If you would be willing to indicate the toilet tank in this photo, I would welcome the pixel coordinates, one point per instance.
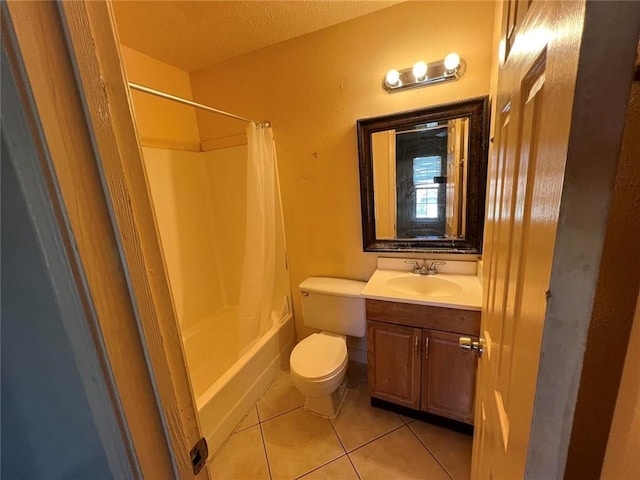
(334, 305)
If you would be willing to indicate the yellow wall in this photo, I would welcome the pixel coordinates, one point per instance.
(161, 122)
(622, 460)
(314, 88)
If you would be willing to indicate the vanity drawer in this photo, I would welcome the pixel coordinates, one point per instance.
(424, 316)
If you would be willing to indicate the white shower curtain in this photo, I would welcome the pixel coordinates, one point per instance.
(258, 270)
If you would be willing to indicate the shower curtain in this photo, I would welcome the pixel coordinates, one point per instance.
(258, 270)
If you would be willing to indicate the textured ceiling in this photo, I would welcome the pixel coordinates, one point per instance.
(195, 34)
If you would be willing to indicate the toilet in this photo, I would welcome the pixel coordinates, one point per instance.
(318, 364)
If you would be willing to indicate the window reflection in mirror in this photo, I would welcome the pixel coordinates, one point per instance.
(420, 179)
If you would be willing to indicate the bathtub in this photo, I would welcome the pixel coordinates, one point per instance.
(225, 386)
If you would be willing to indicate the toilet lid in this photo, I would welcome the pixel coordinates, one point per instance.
(318, 356)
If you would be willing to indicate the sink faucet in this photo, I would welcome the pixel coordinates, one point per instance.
(424, 270)
(432, 268)
(416, 267)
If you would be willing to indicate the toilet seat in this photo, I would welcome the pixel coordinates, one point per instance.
(319, 356)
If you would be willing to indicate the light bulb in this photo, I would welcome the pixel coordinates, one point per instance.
(451, 61)
(420, 71)
(393, 78)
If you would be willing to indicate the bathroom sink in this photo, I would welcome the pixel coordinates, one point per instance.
(430, 286)
(459, 287)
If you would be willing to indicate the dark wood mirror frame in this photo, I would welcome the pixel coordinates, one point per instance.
(477, 110)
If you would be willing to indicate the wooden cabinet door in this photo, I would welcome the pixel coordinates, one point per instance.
(448, 376)
(394, 363)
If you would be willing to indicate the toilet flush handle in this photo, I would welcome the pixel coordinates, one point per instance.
(304, 294)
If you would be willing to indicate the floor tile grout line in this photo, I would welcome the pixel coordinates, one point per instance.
(243, 429)
(364, 380)
(357, 383)
(346, 452)
(405, 421)
(264, 444)
(217, 452)
(227, 440)
(269, 385)
(319, 467)
(435, 457)
(248, 426)
(374, 439)
(266, 455)
(267, 388)
(337, 435)
(353, 465)
(280, 414)
(333, 460)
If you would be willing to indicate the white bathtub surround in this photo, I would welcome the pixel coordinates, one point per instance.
(222, 406)
(219, 217)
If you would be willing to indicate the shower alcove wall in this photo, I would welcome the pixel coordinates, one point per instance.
(200, 206)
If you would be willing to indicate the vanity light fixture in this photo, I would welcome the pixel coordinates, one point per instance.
(393, 78)
(419, 71)
(451, 68)
(451, 62)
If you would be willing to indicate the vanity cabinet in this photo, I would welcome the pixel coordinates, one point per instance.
(393, 356)
(448, 377)
(415, 361)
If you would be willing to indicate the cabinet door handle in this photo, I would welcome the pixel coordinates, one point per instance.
(415, 346)
(426, 347)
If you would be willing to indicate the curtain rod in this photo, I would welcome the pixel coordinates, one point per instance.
(168, 96)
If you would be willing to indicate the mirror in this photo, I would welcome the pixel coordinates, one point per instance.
(423, 178)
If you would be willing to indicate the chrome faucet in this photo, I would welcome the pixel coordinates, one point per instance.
(424, 270)
(432, 268)
(416, 267)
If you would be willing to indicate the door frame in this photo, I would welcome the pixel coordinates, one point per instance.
(68, 57)
(27, 155)
(65, 57)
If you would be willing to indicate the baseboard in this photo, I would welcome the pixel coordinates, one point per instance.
(359, 356)
(424, 416)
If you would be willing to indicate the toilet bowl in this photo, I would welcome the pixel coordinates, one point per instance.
(318, 366)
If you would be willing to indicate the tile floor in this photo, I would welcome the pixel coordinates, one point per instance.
(278, 439)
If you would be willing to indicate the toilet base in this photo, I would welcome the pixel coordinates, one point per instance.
(329, 405)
